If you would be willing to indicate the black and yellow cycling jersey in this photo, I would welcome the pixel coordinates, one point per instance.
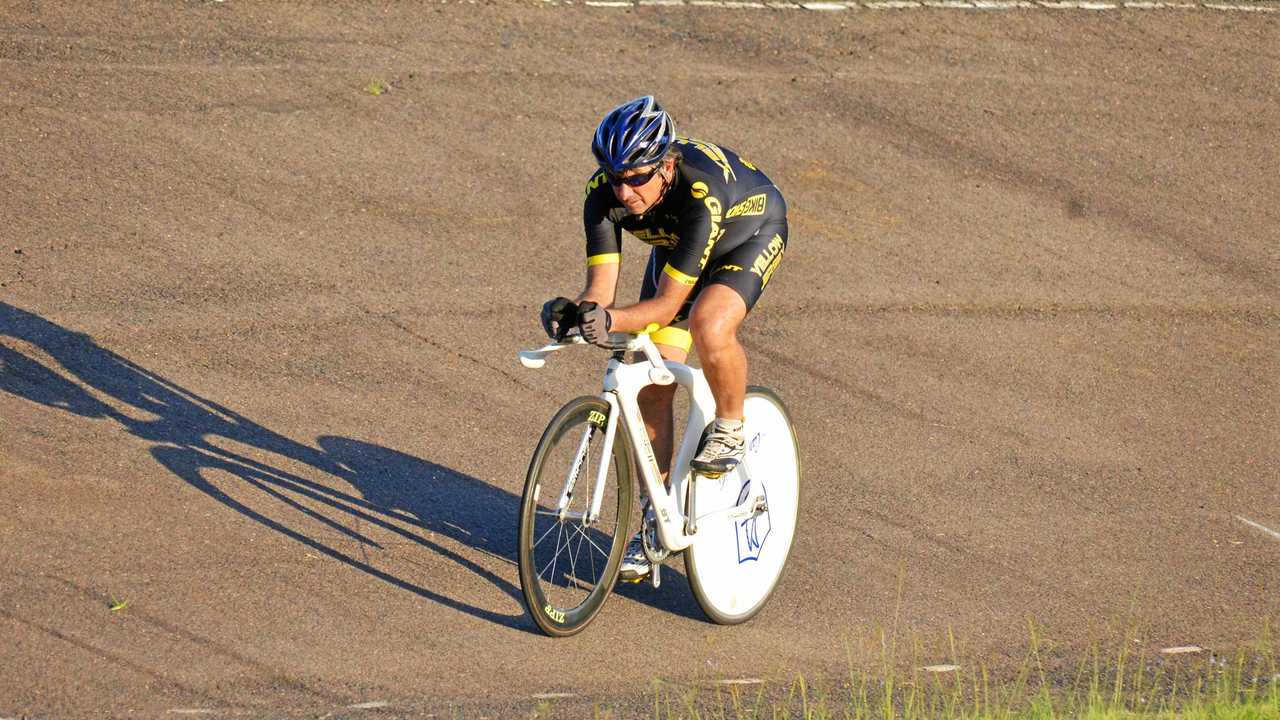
(722, 221)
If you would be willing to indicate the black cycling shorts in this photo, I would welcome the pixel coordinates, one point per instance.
(756, 252)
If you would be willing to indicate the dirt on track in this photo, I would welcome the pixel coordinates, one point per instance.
(258, 325)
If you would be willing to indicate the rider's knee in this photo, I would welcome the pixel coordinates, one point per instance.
(712, 332)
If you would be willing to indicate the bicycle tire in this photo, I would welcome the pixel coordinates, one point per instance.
(550, 595)
(732, 585)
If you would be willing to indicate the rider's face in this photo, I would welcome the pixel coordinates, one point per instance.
(637, 199)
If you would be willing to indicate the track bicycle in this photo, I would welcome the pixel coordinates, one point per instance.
(735, 530)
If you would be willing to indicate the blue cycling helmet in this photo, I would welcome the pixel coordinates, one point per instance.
(632, 135)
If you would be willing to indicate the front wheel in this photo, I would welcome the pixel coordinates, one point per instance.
(569, 563)
(734, 564)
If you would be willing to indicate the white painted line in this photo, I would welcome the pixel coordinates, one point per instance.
(1077, 5)
(371, 705)
(740, 681)
(1244, 8)
(1182, 650)
(1271, 6)
(552, 696)
(1258, 526)
(940, 668)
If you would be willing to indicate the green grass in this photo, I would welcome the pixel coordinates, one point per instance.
(1125, 682)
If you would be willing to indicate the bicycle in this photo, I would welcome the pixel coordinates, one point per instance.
(735, 530)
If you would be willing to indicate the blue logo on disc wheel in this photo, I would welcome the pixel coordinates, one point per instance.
(753, 531)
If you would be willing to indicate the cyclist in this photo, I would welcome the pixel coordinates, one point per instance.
(718, 227)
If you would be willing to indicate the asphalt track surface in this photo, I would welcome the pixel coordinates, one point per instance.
(258, 331)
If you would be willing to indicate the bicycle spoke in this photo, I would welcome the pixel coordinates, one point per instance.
(584, 535)
(538, 542)
(554, 556)
(573, 562)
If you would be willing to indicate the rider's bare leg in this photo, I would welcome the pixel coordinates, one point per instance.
(656, 406)
(717, 314)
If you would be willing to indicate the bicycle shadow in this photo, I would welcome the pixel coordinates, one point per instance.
(397, 493)
(393, 491)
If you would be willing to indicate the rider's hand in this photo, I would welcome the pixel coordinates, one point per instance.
(594, 323)
(559, 316)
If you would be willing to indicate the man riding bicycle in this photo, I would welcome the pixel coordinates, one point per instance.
(718, 228)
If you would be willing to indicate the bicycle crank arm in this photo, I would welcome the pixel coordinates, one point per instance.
(749, 509)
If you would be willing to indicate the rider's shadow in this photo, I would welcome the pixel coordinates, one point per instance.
(404, 497)
(429, 505)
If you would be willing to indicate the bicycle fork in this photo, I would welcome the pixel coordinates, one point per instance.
(596, 498)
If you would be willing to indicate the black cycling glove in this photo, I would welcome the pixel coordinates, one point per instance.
(594, 323)
(559, 316)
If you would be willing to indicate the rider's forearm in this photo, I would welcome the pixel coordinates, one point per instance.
(602, 285)
(634, 318)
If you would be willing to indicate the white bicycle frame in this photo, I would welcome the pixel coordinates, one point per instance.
(676, 522)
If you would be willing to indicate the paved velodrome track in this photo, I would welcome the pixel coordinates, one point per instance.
(258, 331)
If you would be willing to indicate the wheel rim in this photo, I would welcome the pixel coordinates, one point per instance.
(569, 562)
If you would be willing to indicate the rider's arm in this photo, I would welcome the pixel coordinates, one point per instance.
(602, 284)
(660, 308)
(604, 244)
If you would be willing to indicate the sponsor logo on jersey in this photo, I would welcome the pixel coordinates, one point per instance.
(753, 205)
(731, 268)
(716, 154)
(657, 236)
(594, 183)
(767, 261)
(714, 207)
(698, 190)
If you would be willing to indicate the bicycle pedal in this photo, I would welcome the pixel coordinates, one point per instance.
(711, 475)
(632, 581)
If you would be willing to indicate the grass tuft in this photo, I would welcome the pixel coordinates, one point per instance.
(1128, 681)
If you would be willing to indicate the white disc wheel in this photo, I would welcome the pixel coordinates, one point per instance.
(735, 563)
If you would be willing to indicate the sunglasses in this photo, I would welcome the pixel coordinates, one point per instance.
(632, 180)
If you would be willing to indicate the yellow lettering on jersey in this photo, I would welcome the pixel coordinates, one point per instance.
(753, 205)
(767, 261)
(731, 268)
(658, 236)
(714, 206)
(716, 154)
(594, 183)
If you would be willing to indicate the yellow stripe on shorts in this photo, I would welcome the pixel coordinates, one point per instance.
(678, 276)
(605, 259)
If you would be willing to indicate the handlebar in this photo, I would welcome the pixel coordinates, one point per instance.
(632, 342)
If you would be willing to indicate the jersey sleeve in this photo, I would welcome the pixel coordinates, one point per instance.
(700, 229)
(604, 237)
